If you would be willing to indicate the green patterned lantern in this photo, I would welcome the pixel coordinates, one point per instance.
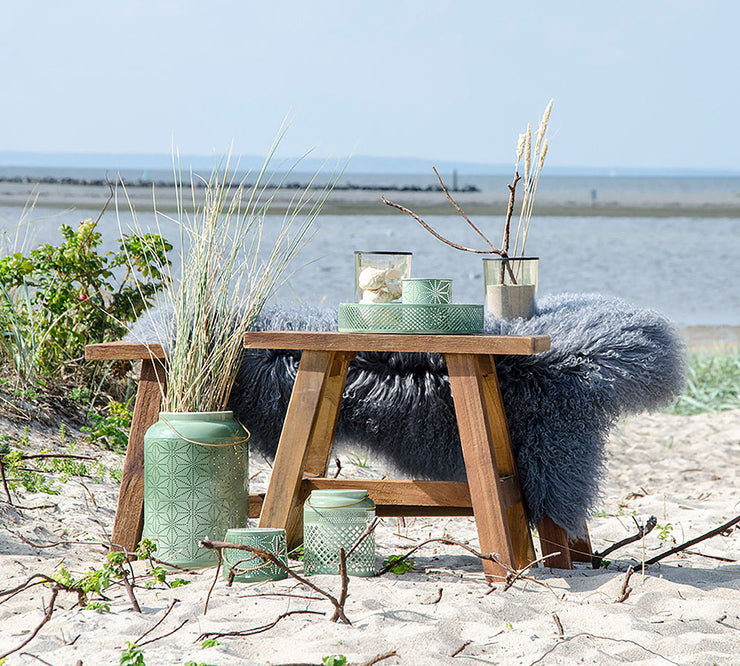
(196, 483)
(249, 568)
(334, 519)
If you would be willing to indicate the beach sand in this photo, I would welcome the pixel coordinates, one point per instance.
(685, 470)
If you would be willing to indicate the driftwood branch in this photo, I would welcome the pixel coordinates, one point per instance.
(273, 559)
(47, 617)
(158, 622)
(693, 542)
(510, 211)
(403, 209)
(459, 210)
(641, 532)
(626, 589)
(256, 630)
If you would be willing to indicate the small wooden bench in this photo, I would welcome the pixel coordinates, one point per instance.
(492, 493)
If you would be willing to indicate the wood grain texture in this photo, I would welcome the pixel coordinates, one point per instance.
(480, 463)
(580, 547)
(322, 436)
(553, 539)
(516, 518)
(298, 433)
(129, 519)
(440, 495)
(123, 351)
(460, 344)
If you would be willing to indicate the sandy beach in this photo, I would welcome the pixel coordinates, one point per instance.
(685, 470)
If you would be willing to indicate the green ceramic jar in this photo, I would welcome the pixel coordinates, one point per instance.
(334, 519)
(196, 484)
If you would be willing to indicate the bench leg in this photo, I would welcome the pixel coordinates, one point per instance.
(479, 453)
(305, 442)
(129, 520)
(580, 547)
(554, 539)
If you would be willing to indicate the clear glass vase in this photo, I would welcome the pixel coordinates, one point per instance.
(510, 286)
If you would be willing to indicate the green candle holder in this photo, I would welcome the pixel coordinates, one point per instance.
(251, 568)
(334, 519)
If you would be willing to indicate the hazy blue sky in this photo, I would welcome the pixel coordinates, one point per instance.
(636, 83)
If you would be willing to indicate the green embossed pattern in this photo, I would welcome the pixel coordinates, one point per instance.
(191, 490)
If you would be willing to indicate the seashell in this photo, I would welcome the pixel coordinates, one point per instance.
(376, 296)
(393, 274)
(394, 289)
(371, 278)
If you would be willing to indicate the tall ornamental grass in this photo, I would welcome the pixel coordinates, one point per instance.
(227, 274)
(712, 383)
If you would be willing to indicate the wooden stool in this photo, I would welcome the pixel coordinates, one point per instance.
(492, 493)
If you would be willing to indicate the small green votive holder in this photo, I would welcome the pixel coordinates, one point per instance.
(334, 519)
(427, 291)
(251, 568)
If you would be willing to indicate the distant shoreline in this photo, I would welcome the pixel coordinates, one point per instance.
(353, 199)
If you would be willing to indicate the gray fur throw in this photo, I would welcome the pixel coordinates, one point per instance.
(608, 359)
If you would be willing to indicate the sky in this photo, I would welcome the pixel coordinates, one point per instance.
(637, 84)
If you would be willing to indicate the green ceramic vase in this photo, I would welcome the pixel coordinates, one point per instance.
(334, 519)
(196, 484)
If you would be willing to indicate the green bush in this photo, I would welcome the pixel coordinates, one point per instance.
(58, 298)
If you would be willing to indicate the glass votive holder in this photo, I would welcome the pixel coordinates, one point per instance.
(510, 286)
(426, 291)
(334, 519)
(378, 276)
(250, 568)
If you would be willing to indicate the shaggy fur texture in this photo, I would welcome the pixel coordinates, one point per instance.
(607, 359)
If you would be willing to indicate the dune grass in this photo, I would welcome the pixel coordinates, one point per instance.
(713, 383)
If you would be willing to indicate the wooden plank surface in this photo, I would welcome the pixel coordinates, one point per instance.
(461, 344)
(129, 519)
(480, 463)
(521, 537)
(580, 547)
(123, 351)
(453, 495)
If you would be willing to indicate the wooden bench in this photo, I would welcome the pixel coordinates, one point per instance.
(492, 493)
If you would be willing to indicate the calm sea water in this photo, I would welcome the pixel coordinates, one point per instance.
(684, 267)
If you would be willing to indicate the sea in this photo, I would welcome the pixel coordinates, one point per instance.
(683, 266)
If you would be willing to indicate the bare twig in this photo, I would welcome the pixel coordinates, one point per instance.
(47, 617)
(463, 215)
(510, 211)
(215, 578)
(559, 625)
(435, 601)
(379, 658)
(626, 589)
(648, 527)
(344, 578)
(256, 630)
(368, 531)
(434, 233)
(158, 622)
(461, 648)
(169, 633)
(5, 482)
(339, 467)
(565, 639)
(220, 545)
(693, 542)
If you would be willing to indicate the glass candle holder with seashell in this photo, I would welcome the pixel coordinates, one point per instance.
(378, 276)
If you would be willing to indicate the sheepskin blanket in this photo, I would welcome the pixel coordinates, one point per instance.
(608, 359)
